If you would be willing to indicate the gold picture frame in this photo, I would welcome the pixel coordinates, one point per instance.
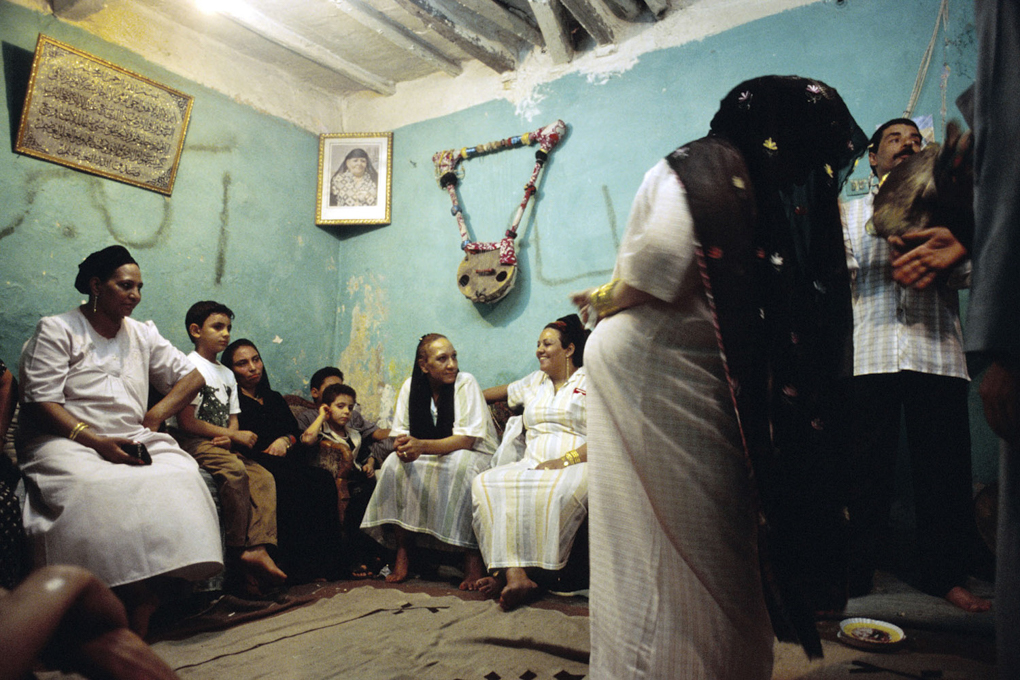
(88, 114)
(355, 178)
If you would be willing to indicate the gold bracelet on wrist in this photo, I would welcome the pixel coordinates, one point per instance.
(571, 457)
(602, 300)
(77, 430)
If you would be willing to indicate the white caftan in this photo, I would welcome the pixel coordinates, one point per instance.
(525, 517)
(432, 495)
(675, 588)
(124, 523)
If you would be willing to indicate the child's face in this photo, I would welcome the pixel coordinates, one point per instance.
(340, 410)
(214, 335)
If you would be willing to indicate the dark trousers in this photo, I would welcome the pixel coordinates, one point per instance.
(308, 524)
(938, 439)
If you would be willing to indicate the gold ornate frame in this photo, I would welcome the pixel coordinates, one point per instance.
(94, 116)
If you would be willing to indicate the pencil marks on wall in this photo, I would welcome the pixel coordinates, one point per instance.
(582, 273)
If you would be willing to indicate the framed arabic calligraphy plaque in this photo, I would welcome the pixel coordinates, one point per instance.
(94, 116)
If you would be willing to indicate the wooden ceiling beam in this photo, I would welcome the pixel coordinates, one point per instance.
(469, 32)
(505, 19)
(597, 19)
(553, 21)
(376, 21)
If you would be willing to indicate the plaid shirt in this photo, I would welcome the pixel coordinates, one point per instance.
(896, 328)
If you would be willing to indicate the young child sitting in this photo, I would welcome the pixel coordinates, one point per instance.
(378, 439)
(343, 450)
(207, 429)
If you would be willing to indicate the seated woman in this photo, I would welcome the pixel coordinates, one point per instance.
(96, 499)
(444, 437)
(527, 513)
(307, 523)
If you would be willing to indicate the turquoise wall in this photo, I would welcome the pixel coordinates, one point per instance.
(238, 228)
(360, 297)
(869, 50)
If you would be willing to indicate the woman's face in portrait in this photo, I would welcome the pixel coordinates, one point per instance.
(552, 357)
(247, 366)
(118, 296)
(357, 166)
(440, 362)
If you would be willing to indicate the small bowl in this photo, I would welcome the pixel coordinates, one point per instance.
(870, 634)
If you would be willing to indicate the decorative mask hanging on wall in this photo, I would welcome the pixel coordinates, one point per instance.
(489, 270)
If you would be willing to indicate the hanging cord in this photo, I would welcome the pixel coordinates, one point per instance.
(941, 19)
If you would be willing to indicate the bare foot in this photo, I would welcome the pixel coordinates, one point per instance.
(968, 601)
(490, 586)
(401, 567)
(257, 562)
(519, 589)
(474, 569)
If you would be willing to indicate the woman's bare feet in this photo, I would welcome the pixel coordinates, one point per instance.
(474, 570)
(491, 586)
(519, 589)
(401, 566)
(968, 601)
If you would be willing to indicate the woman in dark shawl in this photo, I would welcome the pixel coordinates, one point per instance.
(717, 385)
(307, 518)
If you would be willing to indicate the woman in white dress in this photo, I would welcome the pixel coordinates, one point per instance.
(720, 350)
(527, 513)
(106, 491)
(444, 436)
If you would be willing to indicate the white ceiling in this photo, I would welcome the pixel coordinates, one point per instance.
(340, 48)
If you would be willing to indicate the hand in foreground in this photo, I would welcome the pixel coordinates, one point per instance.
(279, 447)
(920, 256)
(245, 438)
(554, 464)
(110, 449)
(1000, 397)
(408, 448)
(582, 300)
(151, 421)
(369, 468)
(222, 441)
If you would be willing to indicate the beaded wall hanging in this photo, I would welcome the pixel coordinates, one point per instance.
(489, 270)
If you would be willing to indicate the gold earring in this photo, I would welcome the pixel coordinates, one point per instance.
(94, 301)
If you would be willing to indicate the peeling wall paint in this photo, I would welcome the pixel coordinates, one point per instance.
(625, 111)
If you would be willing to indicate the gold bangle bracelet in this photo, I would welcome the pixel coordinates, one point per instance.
(77, 430)
(602, 300)
(571, 457)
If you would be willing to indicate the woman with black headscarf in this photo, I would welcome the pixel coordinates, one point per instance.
(717, 384)
(106, 491)
(444, 436)
(527, 512)
(307, 516)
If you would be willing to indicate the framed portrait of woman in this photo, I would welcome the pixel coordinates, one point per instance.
(355, 180)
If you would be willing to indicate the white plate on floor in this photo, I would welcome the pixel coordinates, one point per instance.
(870, 634)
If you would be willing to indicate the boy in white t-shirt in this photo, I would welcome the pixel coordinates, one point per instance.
(207, 429)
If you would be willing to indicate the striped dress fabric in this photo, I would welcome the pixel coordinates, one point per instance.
(525, 517)
(432, 495)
